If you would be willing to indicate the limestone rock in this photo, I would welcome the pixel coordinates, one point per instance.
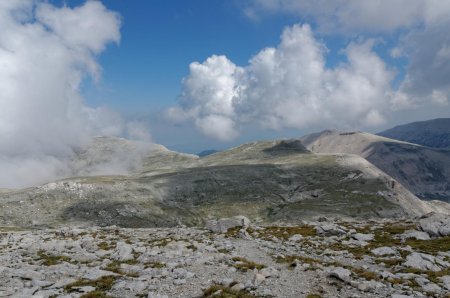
(363, 237)
(340, 273)
(330, 229)
(224, 224)
(422, 261)
(383, 251)
(123, 252)
(415, 235)
(436, 224)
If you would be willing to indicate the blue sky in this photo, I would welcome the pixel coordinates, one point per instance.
(142, 76)
(161, 38)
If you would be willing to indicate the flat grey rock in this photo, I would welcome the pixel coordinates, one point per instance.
(436, 225)
(383, 251)
(422, 261)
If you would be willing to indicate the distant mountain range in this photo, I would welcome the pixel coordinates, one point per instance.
(131, 184)
(265, 181)
(422, 170)
(207, 152)
(432, 133)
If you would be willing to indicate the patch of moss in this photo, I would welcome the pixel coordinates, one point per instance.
(192, 247)
(101, 284)
(368, 275)
(232, 232)
(223, 250)
(160, 242)
(389, 262)
(218, 291)
(433, 276)
(50, 260)
(96, 294)
(107, 246)
(292, 260)
(244, 265)
(156, 265)
(313, 296)
(432, 246)
(284, 233)
(114, 266)
(384, 236)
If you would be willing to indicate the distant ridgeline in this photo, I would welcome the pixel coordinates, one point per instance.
(432, 133)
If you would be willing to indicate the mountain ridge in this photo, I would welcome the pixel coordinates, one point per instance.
(433, 133)
(424, 171)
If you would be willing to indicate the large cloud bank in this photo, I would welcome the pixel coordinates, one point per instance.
(45, 54)
(287, 86)
(356, 16)
(291, 86)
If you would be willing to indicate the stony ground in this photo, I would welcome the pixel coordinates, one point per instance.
(326, 258)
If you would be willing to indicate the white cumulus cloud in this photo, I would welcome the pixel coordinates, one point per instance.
(289, 86)
(421, 24)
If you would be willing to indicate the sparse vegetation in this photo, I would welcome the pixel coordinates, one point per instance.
(50, 260)
(285, 232)
(115, 267)
(102, 285)
(107, 246)
(243, 264)
(313, 296)
(156, 265)
(432, 246)
(218, 291)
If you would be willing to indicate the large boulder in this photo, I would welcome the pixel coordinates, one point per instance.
(340, 273)
(224, 224)
(363, 237)
(330, 229)
(413, 234)
(423, 262)
(435, 224)
(383, 251)
(123, 252)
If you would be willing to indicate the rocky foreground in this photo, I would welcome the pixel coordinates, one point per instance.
(231, 258)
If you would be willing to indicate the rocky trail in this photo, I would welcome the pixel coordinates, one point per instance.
(231, 258)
